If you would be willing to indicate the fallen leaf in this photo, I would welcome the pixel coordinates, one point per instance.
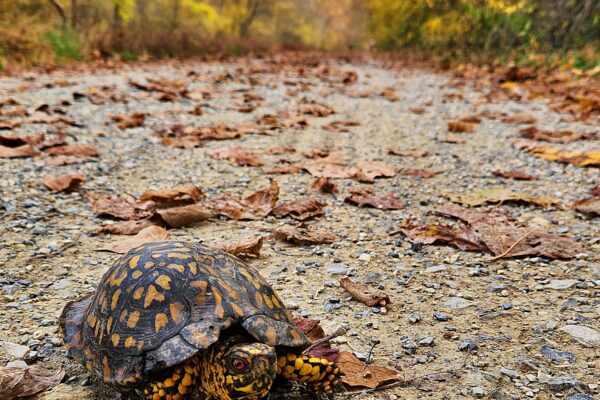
(313, 330)
(557, 136)
(60, 183)
(436, 234)
(316, 110)
(408, 153)
(304, 236)
(120, 206)
(472, 216)
(367, 171)
(283, 169)
(578, 158)
(25, 382)
(146, 235)
(460, 126)
(280, 150)
(390, 94)
(320, 152)
(126, 227)
(133, 120)
(417, 110)
(64, 160)
(365, 295)
(359, 374)
(589, 206)
(299, 209)
(519, 118)
(516, 175)
(257, 206)
(243, 248)
(12, 140)
(177, 217)
(595, 191)
(330, 166)
(235, 155)
(82, 150)
(188, 191)
(324, 185)
(340, 126)
(419, 173)
(451, 138)
(364, 197)
(499, 195)
(14, 152)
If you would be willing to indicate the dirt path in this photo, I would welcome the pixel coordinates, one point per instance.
(443, 299)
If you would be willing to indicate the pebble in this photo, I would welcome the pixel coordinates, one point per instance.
(456, 303)
(562, 383)
(509, 372)
(440, 316)
(372, 277)
(365, 257)
(582, 334)
(478, 392)
(557, 356)
(435, 268)
(14, 350)
(337, 269)
(428, 341)
(467, 345)
(560, 284)
(17, 364)
(414, 318)
(580, 396)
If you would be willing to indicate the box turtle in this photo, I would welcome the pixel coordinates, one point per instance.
(175, 321)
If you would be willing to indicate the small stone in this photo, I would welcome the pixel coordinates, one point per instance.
(509, 372)
(428, 341)
(582, 334)
(580, 396)
(557, 356)
(337, 269)
(456, 303)
(560, 284)
(372, 277)
(467, 345)
(17, 364)
(478, 392)
(365, 257)
(440, 316)
(435, 268)
(14, 350)
(414, 318)
(562, 383)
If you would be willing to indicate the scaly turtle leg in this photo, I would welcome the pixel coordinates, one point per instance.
(319, 374)
(178, 384)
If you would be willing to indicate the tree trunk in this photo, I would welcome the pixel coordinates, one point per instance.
(74, 14)
(175, 16)
(61, 12)
(252, 11)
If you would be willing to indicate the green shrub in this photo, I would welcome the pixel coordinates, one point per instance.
(65, 44)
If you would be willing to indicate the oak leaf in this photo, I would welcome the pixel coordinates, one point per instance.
(25, 382)
(359, 374)
(60, 183)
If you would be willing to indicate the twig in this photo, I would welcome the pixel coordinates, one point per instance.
(504, 253)
(338, 332)
(60, 249)
(375, 343)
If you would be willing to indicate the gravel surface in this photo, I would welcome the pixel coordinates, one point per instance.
(508, 329)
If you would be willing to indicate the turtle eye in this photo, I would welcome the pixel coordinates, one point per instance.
(239, 364)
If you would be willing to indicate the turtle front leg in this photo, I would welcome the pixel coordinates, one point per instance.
(320, 374)
(177, 384)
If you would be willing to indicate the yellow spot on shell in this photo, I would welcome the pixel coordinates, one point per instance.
(152, 295)
(133, 319)
(139, 292)
(114, 338)
(129, 342)
(268, 301)
(177, 267)
(192, 266)
(219, 311)
(179, 256)
(276, 302)
(160, 321)
(116, 279)
(140, 345)
(109, 324)
(149, 265)
(134, 262)
(137, 274)
(177, 312)
(237, 310)
(115, 299)
(163, 281)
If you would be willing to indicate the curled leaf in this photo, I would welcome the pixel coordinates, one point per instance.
(146, 235)
(365, 295)
(60, 183)
(299, 209)
(243, 248)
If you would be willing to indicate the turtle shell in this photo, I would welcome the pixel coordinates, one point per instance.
(161, 303)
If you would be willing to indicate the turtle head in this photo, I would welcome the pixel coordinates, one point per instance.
(247, 371)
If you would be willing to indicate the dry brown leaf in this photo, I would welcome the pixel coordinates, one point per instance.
(188, 191)
(304, 236)
(331, 166)
(499, 195)
(146, 235)
(340, 126)
(299, 209)
(417, 110)
(235, 155)
(519, 118)
(359, 374)
(257, 206)
(64, 160)
(316, 110)
(365, 295)
(283, 169)
(12, 140)
(367, 171)
(595, 191)
(60, 183)
(408, 153)
(460, 126)
(25, 382)
(313, 330)
(516, 175)
(579, 158)
(280, 150)
(420, 173)
(451, 138)
(126, 227)
(324, 185)
(81, 150)
(176, 217)
(364, 197)
(120, 206)
(436, 234)
(14, 152)
(557, 136)
(133, 120)
(243, 248)
(589, 206)
(390, 94)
